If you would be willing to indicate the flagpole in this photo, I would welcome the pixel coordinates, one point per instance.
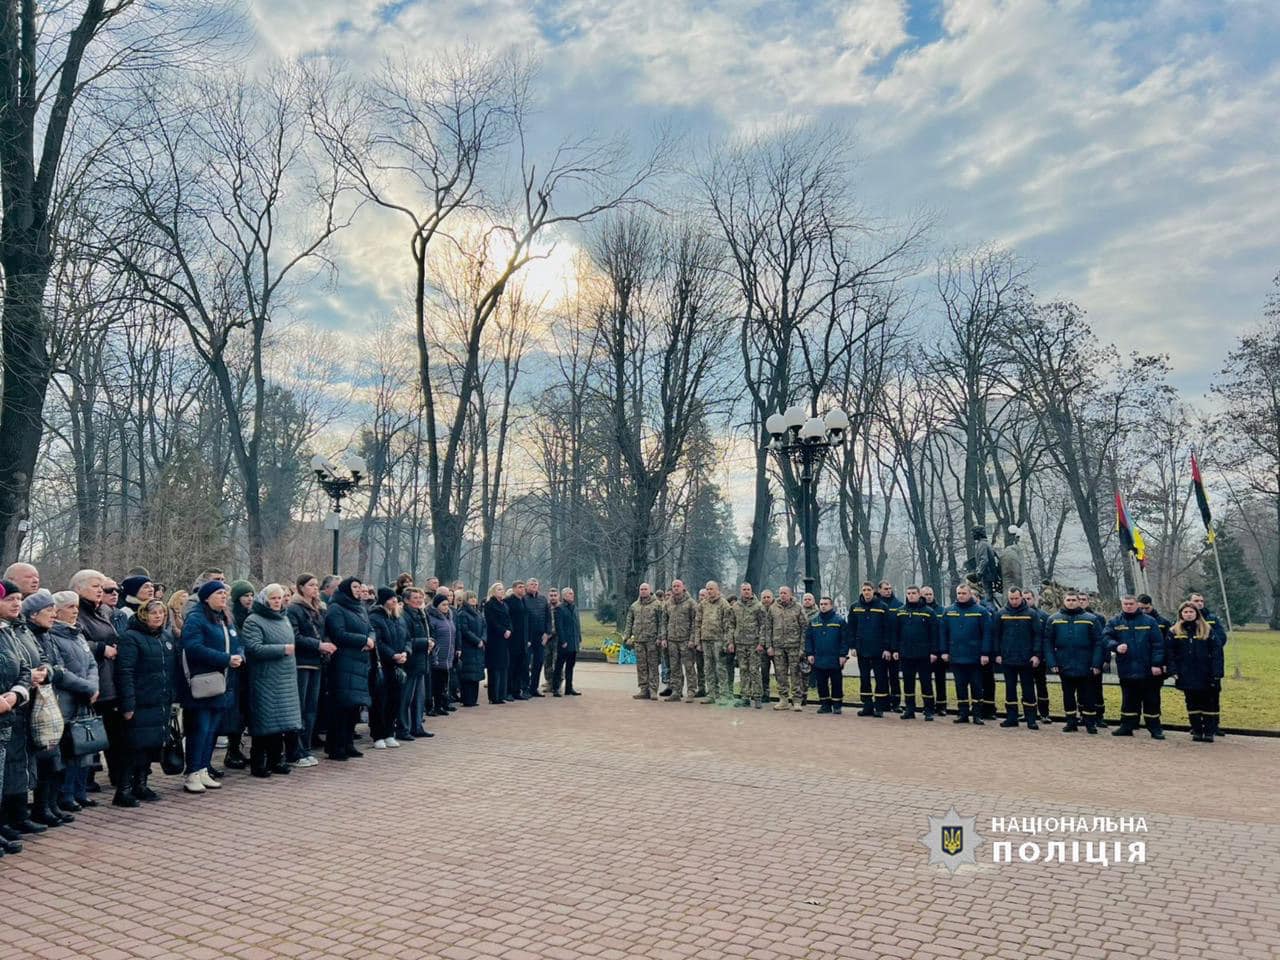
(1226, 610)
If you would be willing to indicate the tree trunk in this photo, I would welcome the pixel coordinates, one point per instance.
(759, 519)
(26, 382)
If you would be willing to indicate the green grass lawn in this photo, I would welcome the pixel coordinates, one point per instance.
(1252, 702)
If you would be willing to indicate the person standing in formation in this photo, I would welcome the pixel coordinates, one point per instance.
(641, 633)
(750, 634)
(716, 631)
(679, 630)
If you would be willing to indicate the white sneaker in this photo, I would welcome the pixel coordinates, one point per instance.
(307, 762)
(221, 743)
(392, 742)
(193, 783)
(380, 744)
(207, 779)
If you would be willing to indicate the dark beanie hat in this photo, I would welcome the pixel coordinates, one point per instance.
(345, 587)
(131, 585)
(385, 594)
(209, 589)
(8, 587)
(438, 599)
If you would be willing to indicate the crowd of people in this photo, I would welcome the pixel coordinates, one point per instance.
(115, 677)
(689, 650)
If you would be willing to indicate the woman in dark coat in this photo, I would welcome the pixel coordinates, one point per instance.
(346, 625)
(144, 672)
(77, 687)
(16, 684)
(443, 630)
(497, 624)
(517, 644)
(471, 633)
(312, 652)
(418, 666)
(19, 644)
(273, 681)
(387, 676)
(236, 718)
(38, 614)
(1196, 661)
(210, 644)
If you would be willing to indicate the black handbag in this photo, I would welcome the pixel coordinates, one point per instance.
(88, 734)
(173, 759)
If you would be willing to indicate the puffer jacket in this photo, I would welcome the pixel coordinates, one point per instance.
(869, 628)
(346, 625)
(95, 622)
(915, 634)
(77, 682)
(419, 631)
(1018, 636)
(273, 674)
(206, 637)
(443, 631)
(471, 631)
(1073, 643)
(144, 681)
(1144, 644)
(966, 633)
(308, 630)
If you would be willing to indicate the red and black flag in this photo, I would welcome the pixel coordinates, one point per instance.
(1130, 535)
(1202, 499)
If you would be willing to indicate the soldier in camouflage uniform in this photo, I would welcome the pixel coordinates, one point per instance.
(750, 631)
(553, 647)
(715, 632)
(766, 601)
(679, 630)
(786, 645)
(664, 663)
(698, 658)
(641, 633)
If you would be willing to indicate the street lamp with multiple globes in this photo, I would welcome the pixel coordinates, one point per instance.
(338, 485)
(804, 441)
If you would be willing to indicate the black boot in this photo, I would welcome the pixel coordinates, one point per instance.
(1124, 730)
(234, 758)
(51, 805)
(141, 790)
(124, 794)
(1071, 726)
(1010, 720)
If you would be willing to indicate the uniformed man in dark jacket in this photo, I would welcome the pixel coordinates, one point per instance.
(894, 667)
(1089, 602)
(1019, 647)
(1041, 673)
(1073, 647)
(915, 648)
(867, 633)
(939, 665)
(1138, 644)
(826, 647)
(965, 632)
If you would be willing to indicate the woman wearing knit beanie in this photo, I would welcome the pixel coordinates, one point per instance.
(236, 717)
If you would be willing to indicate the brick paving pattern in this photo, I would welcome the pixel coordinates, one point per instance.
(604, 827)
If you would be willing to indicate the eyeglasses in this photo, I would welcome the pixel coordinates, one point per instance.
(110, 589)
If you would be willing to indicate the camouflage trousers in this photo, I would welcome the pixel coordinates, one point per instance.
(749, 680)
(551, 653)
(647, 666)
(786, 666)
(684, 670)
(715, 671)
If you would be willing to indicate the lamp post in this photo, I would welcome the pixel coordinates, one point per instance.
(804, 442)
(338, 485)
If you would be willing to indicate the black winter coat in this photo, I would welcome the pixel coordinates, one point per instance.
(95, 623)
(497, 621)
(144, 681)
(519, 614)
(471, 633)
(392, 636)
(1197, 663)
(568, 628)
(308, 631)
(415, 622)
(346, 625)
(869, 629)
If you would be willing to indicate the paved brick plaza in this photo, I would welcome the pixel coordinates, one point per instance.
(604, 827)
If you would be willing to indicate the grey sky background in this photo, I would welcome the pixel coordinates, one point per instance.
(1128, 150)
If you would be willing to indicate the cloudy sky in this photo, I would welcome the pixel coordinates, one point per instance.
(1128, 149)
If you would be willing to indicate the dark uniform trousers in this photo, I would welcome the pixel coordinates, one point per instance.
(1041, 674)
(968, 688)
(1203, 708)
(988, 696)
(894, 672)
(1140, 698)
(913, 668)
(940, 685)
(830, 685)
(1077, 698)
(869, 667)
(1099, 701)
(1013, 677)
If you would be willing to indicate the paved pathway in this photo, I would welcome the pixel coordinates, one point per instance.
(603, 827)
